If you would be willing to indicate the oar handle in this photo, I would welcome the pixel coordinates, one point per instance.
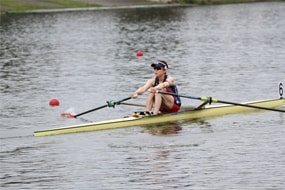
(183, 96)
(112, 104)
(125, 99)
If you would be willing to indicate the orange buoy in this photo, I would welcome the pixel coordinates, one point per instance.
(54, 102)
(139, 53)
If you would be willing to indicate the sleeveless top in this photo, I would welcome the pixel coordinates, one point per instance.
(172, 89)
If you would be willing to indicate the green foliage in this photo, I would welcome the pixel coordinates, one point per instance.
(21, 6)
(17, 6)
(71, 3)
(26, 5)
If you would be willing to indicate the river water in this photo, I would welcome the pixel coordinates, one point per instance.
(231, 52)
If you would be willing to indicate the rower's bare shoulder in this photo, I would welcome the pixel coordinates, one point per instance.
(170, 79)
(151, 81)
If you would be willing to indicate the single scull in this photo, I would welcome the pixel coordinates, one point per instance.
(184, 114)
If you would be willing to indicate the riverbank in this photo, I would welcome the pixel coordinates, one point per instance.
(14, 6)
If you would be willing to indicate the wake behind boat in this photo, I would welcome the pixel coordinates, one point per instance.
(184, 114)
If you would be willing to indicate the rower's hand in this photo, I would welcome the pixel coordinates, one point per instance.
(134, 95)
(153, 90)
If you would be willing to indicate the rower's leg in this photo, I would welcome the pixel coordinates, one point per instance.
(149, 102)
(157, 103)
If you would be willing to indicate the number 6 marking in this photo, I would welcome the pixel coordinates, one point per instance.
(281, 89)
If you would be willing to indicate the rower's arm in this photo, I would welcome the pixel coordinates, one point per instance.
(142, 89)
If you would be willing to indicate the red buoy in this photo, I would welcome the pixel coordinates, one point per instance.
(54, 102)
(139, 53)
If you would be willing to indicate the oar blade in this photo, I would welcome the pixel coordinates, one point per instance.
(109, 104)
(67, 115)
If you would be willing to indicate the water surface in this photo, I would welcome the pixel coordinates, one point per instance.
(231, 52)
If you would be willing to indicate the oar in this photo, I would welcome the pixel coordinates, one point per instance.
(131, 104)
(110, 103)
(210, 100)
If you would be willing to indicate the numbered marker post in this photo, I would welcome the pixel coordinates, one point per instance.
(281, 90)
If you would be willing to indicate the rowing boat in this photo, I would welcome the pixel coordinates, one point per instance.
(184, 114)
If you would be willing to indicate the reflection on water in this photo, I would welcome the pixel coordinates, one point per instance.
(174, 127)
(164, 128)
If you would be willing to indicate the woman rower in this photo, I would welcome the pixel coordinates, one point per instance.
(162, 103)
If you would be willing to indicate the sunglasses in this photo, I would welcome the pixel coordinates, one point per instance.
(157, 68)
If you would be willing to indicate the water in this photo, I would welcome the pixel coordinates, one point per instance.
(231, 52)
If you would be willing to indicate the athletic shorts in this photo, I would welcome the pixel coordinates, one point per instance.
(175, 108)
